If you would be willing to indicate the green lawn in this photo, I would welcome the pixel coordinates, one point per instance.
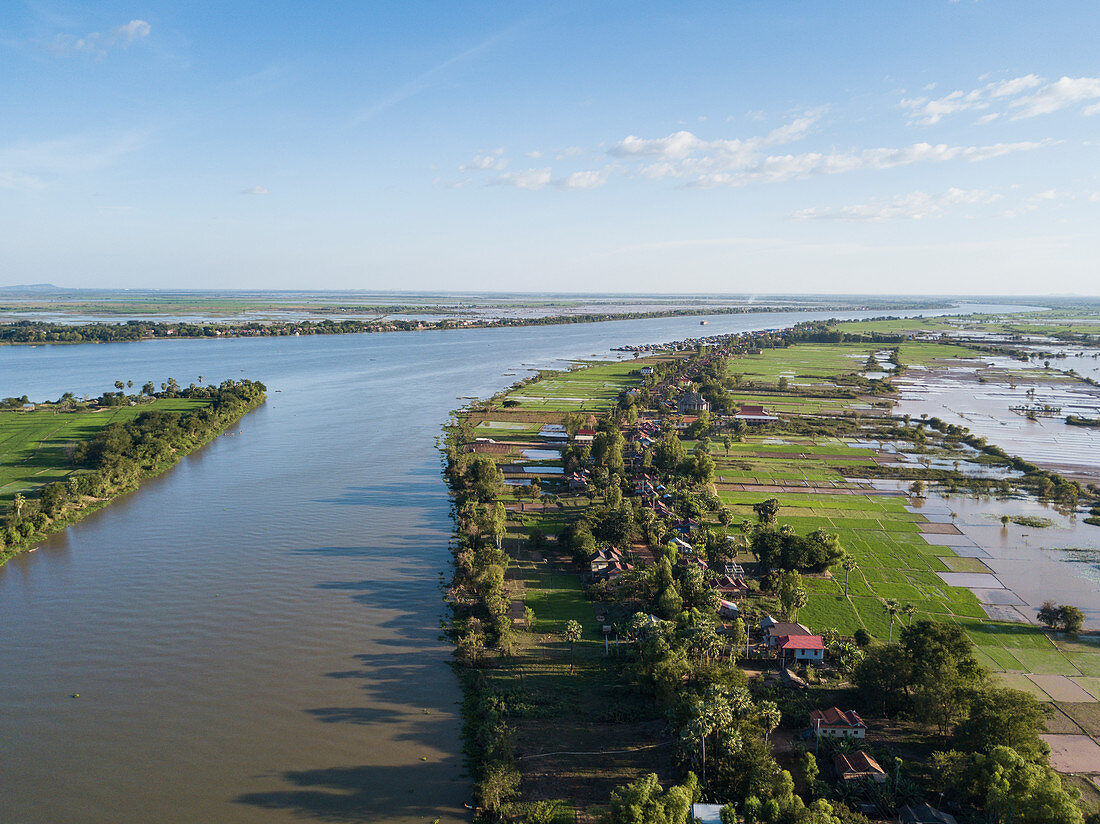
(35, 446)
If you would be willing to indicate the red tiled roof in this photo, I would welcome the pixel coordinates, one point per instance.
(801, 642)
(834, 717)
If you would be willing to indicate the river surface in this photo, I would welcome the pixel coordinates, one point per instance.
(254, 636)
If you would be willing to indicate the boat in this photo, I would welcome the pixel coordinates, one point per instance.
(704, 322)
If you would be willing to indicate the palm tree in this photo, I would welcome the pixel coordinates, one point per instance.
(849, 565)
(770, 716)
(910, 611)
(798, 600)
(18, 502)
(572, 634)
(892, 609)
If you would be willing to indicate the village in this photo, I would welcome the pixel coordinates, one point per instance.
(694, 593)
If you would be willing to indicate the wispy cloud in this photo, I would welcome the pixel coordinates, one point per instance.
(256, 190)
(1018, 98)
(433, 76)
(99, 43)
(34, 165)
(487, 161)
(535, 179)
(912, 206)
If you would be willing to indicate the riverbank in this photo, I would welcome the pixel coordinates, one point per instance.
(594, 519)
(79, 457)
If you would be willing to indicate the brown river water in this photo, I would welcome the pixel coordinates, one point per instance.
(254, 636)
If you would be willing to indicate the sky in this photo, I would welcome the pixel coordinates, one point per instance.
(910, 147)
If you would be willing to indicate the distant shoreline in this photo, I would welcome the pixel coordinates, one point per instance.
(39, 332)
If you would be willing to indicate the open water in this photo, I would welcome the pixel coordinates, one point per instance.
(254, 636)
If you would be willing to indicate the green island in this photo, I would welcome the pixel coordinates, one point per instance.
(62, 460)
(726, 580)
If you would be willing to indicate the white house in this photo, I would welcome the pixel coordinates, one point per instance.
(836, 723)
(807, 648)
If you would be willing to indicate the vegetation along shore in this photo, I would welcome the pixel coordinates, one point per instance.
(726, 580)
(65, 459)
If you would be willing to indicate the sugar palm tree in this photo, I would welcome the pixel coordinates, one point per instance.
(909, 611)
(892, 609)
(798, 600)
(770, 716)
(849, 565)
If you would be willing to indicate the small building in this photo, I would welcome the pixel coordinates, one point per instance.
(602, 558)
(692, 403)
(728, 609)
(577, 481)
(585, 436)
(836, 723)
(28, 407)
(646, 371)
(750, 413)
(683, 546)
(858, 766)
(923, 814)
(808, 648)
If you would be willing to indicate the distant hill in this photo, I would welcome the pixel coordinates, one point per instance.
(33, 288)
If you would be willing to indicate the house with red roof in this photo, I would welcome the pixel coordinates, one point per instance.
(802, 648)
(836, 723)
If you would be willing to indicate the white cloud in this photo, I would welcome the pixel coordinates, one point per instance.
(912, 206)
(530, 179)
(585, 180)
(1058, 95)
(19, 182)
(719, 169)
(99, 43)
(1027, 96)
(256, 190)
(488, 161)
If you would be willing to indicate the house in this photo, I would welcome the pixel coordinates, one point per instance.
(753, 414)
(683, 546)
(613, 570)
(692, 403)
(28, 407)
(728, 609)
(774, 630)
(646, 371)
(808, 648)
(923, 814)
(602, 558)
(858, 766)
(836, 723)
(577, 482)
(585, 436)
(728, 585)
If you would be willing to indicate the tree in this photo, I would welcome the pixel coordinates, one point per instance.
(770, 716)
(892, 609)
(766, 511)
(1070, 619)
(727, 442)
(798, 600)
(119, 385)
(909, 611)
(498, 784)
(571, 635)
(18, 502)
(643, 802)
(1003, 717)
(499, 524)
(1048, 615)
(573, 423)
(849, 565)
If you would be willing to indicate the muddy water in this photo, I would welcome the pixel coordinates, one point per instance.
(254, 635)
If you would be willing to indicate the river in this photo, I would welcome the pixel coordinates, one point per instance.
(254, 636)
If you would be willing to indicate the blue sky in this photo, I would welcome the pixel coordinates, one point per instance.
(575, 146)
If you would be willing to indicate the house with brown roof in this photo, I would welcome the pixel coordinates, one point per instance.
(858, 766)
(774, 630)
(923, 814)
(836, 723)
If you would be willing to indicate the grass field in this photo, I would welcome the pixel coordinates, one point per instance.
(35, 447)
(593, 389)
